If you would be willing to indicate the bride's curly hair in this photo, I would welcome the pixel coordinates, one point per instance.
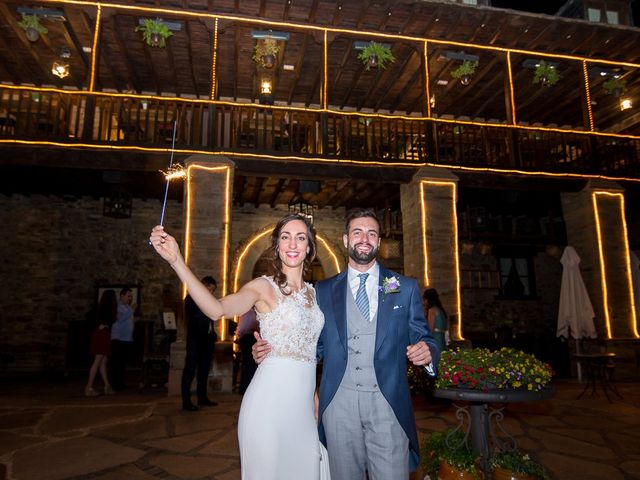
(276, 262)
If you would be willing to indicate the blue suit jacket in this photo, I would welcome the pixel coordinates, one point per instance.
(400, 323)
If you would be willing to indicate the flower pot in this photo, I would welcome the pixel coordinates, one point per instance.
(268, 60)
(155, 39)
(373, 61)
(503, 474)
(32, 34)
(544, 81)
(465, 79)
(448, 472)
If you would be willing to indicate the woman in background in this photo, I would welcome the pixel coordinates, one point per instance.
(101, 342)
(436, 317)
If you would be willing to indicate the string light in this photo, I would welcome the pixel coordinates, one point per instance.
(225, 170)
(587, 92)
(214, 61)
(426, 76)
(454, 226)
(603, 268)
(511, 90)
(94, 48)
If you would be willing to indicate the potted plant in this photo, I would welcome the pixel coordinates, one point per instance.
(265, 52)
(465, 71)
(516, 465)
(483, 369)
(32, 26)
(376, 54)
(545, 74)
(154, 32)
(446, 456)
(614, 86)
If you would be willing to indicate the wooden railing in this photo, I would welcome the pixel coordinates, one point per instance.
(92, 118)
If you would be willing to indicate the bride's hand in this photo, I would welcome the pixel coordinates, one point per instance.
(260, 349)
(164, 244)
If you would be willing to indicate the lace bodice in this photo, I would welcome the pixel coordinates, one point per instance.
(292, 328)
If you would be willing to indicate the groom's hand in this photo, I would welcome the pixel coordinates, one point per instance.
(419, 354)
(260, 349)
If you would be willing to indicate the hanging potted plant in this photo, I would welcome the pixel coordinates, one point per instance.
(445, 456)
(154, 32)
(465, 71)
(376, 55)
(32, 27)
(515, 465)
(614, 86)
(545, 74)
(265, 52)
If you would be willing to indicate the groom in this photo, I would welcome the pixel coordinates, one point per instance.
(374, 321)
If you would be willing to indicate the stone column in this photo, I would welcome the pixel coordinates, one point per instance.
(604, 255)
(206, 248)
(429, 205)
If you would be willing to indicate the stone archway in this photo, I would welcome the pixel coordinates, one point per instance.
(250, 251)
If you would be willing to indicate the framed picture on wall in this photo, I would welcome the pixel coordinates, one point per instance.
(135, 290)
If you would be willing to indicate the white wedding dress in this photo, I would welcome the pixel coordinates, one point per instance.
(277, 430)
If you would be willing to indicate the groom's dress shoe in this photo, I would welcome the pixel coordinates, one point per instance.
(207, 403)
(189, 407)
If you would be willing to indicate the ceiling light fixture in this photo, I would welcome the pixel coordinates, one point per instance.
(60, 67)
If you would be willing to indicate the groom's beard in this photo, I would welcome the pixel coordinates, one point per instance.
(362, 258)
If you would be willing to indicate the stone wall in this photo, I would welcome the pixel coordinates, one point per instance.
(56, 251)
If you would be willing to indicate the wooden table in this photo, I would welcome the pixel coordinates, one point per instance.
(599, 370)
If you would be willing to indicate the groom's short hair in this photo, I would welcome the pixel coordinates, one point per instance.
(359, 213)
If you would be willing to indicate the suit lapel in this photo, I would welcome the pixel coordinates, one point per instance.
(340, 289)
(385, 308)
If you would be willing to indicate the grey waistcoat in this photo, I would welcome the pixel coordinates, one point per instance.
(361, 342)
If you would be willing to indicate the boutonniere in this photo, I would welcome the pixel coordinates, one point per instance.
(390, 285)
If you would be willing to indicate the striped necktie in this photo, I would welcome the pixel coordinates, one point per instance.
(362, 301)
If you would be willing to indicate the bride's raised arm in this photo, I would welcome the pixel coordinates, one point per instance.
(234, 304)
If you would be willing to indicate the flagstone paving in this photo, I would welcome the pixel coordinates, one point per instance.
(52, 432)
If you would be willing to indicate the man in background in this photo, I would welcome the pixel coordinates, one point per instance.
(201, 338)
(121, 339)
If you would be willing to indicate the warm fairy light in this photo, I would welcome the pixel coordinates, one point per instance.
(423, 216)
(587, 92)
(340, 161)
(94, 49)
(511, 90)
(428, 97)
(175, 172)
(316, 110)
(330, 250)
(325, 68)
(214, 61)
(157, 11)
(225, 245)
(245, 250)
(603, 270)
(454, 224)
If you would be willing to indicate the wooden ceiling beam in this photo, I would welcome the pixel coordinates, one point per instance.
(391, 79)
(172, 68)
(137, 85)
(239, 189)
(258, 190)
(187, 30)
(273, 201)
(340, 186)
(43, 73)
(72, 39)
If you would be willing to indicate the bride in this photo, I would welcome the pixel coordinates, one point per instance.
(277, 430)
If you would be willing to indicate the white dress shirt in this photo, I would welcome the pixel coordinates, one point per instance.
(371, 286)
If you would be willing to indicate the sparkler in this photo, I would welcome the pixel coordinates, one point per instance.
(172, 172)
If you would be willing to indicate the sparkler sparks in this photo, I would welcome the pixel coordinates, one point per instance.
(177, 171)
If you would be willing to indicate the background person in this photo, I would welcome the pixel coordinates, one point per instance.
(122, 339)
(201, 339)
(436, 317)
(101, 342)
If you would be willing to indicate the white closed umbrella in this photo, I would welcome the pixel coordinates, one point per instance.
(575, 315)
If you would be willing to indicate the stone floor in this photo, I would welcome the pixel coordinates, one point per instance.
(49, 431)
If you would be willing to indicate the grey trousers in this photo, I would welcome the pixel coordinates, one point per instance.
(364, 436)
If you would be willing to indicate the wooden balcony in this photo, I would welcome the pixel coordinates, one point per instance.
(41, 116)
